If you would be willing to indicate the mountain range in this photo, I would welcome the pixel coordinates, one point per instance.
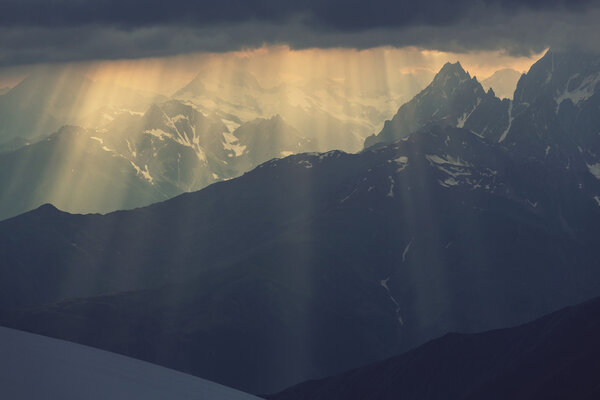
(465, 213)
(154, 147)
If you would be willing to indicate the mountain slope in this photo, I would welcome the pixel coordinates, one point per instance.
(436, 233)
(554, 357)
(74, 170)
(34, 367)
(453, 98)
(138, 159)
(265, 139)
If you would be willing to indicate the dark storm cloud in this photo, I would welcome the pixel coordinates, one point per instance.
(64, 30)
(346, 15)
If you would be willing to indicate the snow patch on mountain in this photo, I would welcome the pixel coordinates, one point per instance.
(350, 195)
(584, 91)
(594, 169)
(144, 173)
(179, 117)
(448, 159)
(232, 143)
(510, 121)
(406, 249)
(453, 171)
(461, 121)
(384, 284)
(391, 192)
(449, 182)
(159, 133)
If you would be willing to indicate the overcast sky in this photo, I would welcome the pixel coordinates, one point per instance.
(34, 31)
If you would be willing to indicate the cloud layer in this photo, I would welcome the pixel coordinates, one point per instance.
(34, 31)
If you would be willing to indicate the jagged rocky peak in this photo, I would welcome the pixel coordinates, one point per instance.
(450, 99)
(195, 87)
(452, 78)
(450, 70)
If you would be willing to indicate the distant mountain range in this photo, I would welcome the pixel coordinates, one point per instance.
(138, 159)
(156, 148)
(73, 169)
(554, 357)
(465, 213)
(333, 114)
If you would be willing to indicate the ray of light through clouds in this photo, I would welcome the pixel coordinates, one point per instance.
(134, 82)
(386, 76)
(349, 61)
(379, 79)
(273, 65)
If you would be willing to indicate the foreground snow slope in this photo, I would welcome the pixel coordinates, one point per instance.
(36, 367)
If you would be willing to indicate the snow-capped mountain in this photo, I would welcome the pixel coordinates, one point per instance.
(553, 107)
(211, 130)
(325, 111)
(139, 158)
(174, 144)
(38, 367)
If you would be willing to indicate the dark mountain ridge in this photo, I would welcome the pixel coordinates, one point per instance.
(453, 98)
(554, 357)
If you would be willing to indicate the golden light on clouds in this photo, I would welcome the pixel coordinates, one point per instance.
(275, 64)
